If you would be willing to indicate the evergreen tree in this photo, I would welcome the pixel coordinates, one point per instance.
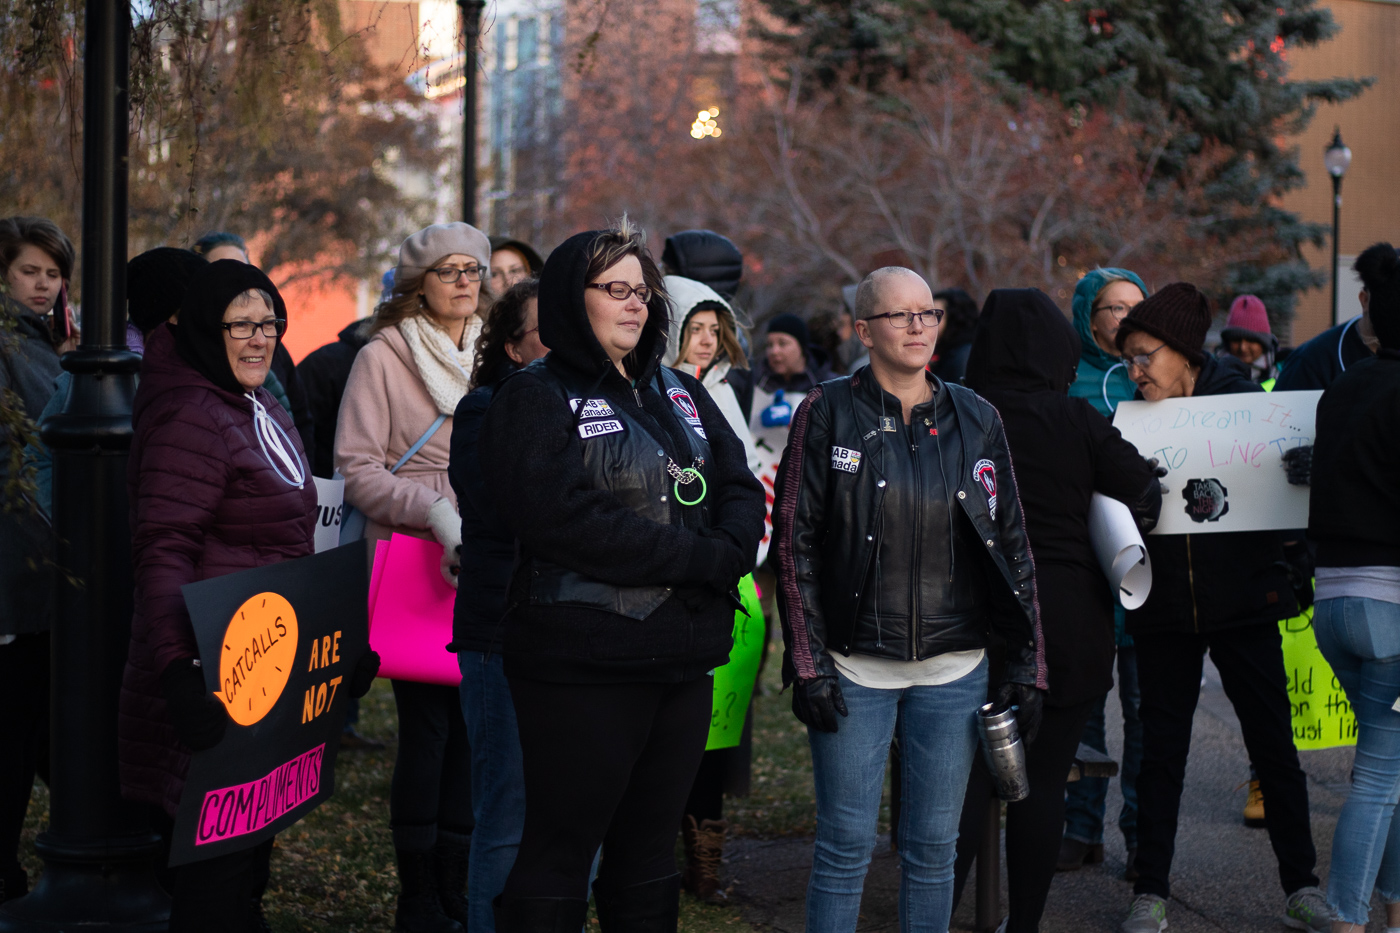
(1195, 73)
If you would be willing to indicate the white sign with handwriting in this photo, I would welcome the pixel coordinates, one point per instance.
(1223, 455)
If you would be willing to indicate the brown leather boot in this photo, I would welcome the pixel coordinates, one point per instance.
(704, 846)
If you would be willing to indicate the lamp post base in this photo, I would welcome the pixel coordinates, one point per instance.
(104, 886)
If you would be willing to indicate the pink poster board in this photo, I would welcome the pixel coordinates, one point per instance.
(410, 613)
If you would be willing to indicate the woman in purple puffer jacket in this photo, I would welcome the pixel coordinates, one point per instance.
(219, 483)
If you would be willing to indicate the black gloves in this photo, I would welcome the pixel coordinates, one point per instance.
(1298, 462)
(198, 717)
(1298, 564)
(816, 702)
(1029, 702)
(365, 670)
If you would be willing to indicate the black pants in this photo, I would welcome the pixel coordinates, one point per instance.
(24, 742)
(1250, 661)
(609, 765)
(1035, 825)
(431, 794)
(217, 894)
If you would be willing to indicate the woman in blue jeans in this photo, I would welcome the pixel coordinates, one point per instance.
(901, 554)
(509, 339)
(1354, 519)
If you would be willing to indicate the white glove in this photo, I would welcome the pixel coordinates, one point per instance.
(446, 526)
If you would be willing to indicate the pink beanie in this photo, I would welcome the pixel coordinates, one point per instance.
(1247, 317)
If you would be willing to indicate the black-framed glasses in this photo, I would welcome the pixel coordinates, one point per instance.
(448, 275)
(1141, 361)
(903, 319)
(244, 330)
(622, 291)
(1119, 311)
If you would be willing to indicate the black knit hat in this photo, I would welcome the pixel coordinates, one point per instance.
(1179, 315)
(156, 282)
(793, 326)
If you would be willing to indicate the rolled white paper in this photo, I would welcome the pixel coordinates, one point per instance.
(1118, 545)
(330, 497)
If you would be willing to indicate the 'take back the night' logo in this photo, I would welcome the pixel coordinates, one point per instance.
(1205, 499)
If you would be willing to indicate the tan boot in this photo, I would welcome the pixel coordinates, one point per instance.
(704, 847)
(1254, 806)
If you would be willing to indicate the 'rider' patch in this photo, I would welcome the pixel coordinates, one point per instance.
(985, 473)
(845, 459)
(596, 428)
(593, 408)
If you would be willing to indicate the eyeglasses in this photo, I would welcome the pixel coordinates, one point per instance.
(244, 330)
(515, 273)
(1118, 311)
(903, 319)
(1141, 361)
(622, 291)
(449, 275)
(525, 333)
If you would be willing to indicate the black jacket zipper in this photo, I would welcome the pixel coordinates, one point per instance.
(918, 541)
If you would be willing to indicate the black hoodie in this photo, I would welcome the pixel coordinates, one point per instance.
(1024, 356)
(323, 375)
(531, 456)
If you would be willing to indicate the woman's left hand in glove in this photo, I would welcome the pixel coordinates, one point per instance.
(366, 669)
(1029, 702)
(446, 526)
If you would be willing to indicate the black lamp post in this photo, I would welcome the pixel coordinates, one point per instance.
(1337, 158)
(98, 850)
(471, 30)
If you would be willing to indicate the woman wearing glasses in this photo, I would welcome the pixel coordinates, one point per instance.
(402, 392)
(1222, 593)
(219, 482)
(901, 554)
(636, 515)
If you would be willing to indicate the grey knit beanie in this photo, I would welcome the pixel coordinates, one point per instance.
(431, 244)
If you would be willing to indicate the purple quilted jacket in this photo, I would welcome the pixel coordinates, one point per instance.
(205, 502)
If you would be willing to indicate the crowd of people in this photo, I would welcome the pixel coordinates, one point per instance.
(603, 449)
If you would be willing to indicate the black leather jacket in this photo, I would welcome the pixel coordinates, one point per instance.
(864, 512)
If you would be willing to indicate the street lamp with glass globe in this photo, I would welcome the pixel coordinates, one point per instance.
(1337, 158)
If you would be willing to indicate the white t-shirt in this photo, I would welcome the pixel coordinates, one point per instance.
(885, 674)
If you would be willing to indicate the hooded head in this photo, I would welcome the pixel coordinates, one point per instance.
(707, 257)
(1379, 269)
(689, 297)
(199, 337)
(1083, 307)
(564, 324)
(156, 283)
(1023, 344)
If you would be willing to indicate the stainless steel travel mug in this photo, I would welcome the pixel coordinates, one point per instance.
(1005, 755)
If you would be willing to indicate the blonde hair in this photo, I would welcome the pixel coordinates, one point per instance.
(407, 301)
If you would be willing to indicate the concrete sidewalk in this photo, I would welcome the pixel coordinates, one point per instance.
(1224, 879)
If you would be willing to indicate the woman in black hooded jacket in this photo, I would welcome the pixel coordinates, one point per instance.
(1023, 360)
(636, 515)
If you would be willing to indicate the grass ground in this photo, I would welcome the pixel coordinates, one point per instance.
(334, 870)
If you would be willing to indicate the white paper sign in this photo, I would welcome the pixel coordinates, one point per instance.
(330, 497)
(1118, 545)
(1223, 454)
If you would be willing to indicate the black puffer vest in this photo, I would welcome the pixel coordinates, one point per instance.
(623, 458)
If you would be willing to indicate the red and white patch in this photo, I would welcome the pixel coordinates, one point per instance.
(985, 473)
(684, 404)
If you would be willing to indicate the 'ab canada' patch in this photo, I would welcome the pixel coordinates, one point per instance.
(845, 459)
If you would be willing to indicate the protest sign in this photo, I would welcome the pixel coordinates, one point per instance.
(1223, 455)
(1118, 545)
(278, 646)
(330, 502)
(411, 619)
(734, 682)
(1322, 714)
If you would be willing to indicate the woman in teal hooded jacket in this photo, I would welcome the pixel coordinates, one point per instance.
(1102, 378)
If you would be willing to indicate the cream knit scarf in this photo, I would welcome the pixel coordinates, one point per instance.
(445, 370)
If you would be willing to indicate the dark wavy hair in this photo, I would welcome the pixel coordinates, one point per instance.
(503, 324)
(961, 320)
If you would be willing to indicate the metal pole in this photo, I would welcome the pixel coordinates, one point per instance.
(1336, 243)
(98, 850)
(471, 30)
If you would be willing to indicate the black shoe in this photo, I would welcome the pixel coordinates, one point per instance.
(419, 910)
(1075, 854)
(650, 907)
(354, 741)
(451, 859)
(539, 914)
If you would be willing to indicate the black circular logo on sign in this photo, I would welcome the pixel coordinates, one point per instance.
(1205, 499)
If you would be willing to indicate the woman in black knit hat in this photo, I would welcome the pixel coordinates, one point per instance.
(1219, 592)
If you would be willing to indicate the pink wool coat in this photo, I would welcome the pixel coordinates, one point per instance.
(386, 408)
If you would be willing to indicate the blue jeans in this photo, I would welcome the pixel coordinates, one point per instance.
(937, 739)
(1360, 638)
(1087, 798)
(498, 783)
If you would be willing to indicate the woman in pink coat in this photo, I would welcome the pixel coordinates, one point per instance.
(403, 389)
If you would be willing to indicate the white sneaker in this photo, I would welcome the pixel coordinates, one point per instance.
(1148, 914)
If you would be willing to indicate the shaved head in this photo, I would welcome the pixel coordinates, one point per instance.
(871, 288)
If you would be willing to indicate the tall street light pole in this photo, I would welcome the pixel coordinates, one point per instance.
(1337, 158)
(471, 30)
(98, 850)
